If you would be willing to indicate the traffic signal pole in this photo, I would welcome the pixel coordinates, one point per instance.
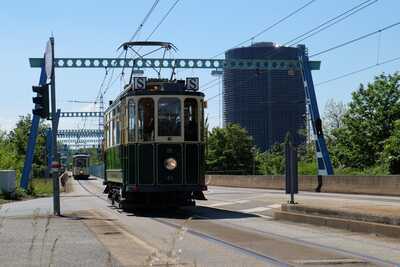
(54, 124)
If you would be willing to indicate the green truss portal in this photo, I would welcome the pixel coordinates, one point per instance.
(182, 63)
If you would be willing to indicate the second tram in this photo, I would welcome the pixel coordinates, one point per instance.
(80, 166)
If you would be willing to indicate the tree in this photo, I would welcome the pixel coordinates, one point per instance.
(333, 115)
(230, 150)
(18, 141)
(271, 162)
(368, 122)
(391, 151)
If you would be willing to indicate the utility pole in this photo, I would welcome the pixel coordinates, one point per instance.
(54, 124)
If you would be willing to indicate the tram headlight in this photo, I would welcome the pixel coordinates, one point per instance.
(170, 164)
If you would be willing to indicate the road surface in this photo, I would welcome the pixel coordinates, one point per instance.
(234, 227)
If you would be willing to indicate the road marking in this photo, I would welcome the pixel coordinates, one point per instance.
(329, 261)
(258, 209)
(275, 206)
(264, 216)
(221, 204)
(228, 203)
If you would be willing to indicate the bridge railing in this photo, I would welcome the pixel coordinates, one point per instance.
(97, 170)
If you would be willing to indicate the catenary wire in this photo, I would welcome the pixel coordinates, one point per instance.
(269, 27)
(359, 70)
(329, 23)
(355, 39)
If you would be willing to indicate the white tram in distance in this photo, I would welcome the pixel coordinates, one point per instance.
(80, 166)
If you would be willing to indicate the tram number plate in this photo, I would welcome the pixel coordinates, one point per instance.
(139, 83)
(192, 83)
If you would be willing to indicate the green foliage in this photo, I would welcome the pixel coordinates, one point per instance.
(13, 147)
(230, 150)
(368, 122)
(40, 187)
(390, 156)
(271, 162)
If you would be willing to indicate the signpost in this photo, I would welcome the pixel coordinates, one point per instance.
(291, 176)
(49, 67)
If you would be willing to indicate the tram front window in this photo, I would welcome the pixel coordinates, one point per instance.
(146, 119)
(131, 121)
(81, 163)
(191, 121)
(169, 117)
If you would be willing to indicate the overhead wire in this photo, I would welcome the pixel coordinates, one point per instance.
(269, 27)
(139, 28)
(330, 22)
(358, 71)
(345, 43)
(323, 26)
(162, 20)
(212, 85)
(355, 39)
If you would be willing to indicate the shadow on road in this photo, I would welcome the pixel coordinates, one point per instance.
(196, 213)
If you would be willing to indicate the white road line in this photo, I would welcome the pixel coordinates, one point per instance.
(258, 209)
(264, 216)
(228, 203)
(221, 204)
(275, 206)
(242, 201)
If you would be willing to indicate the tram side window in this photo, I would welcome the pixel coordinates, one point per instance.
(131, 121)
(117, 133)
(146, 119)
(113, 132)
(169, 117)
(191, 120)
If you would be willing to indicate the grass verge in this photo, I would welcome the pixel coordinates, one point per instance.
(2, 200)
(41, 188)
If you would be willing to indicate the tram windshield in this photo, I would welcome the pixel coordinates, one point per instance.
(191, 120)
(169, 117)
(146, 119)
(81, 162)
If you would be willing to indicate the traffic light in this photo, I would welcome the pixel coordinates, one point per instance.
(41, 101)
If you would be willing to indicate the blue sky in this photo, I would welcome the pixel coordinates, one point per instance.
(200, 29)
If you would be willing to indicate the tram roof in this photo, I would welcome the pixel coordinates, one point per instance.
(81, 155)
(150, 92)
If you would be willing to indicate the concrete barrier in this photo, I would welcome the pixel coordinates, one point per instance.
(375, 185)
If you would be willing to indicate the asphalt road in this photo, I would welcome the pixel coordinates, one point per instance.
(233, 227)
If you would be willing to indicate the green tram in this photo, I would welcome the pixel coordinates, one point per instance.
(154, 145)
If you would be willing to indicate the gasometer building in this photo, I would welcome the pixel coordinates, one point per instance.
(268, 102)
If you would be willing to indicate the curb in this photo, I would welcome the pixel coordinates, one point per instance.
(343, 214)
(346, 224)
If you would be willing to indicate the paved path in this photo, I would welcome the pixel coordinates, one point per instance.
(233, 228)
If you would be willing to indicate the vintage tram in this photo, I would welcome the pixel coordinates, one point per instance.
(154, 144)
(80, 166)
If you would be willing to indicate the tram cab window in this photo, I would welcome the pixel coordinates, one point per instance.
(131, 121)
(191, 120)
(146, 119)
(81, 163)
(169, 117)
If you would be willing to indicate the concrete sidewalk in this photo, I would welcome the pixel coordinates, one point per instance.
(357, 216)
(44, 240)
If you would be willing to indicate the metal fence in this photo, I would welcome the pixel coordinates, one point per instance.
(97, 170)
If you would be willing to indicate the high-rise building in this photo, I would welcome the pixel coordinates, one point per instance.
(268, 103)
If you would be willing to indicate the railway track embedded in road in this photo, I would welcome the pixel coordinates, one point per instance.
(249, 252)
